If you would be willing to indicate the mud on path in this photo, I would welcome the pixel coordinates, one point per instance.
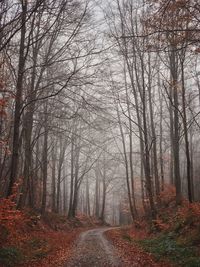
(94, 250)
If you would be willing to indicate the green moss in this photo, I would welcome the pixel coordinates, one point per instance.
(127, 237)
(192, 262)
(10, 256)
(38, 248)
(40, 254)
(4, 233)
(166, 246)
(37, 243)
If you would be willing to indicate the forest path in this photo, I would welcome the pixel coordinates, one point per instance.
(94, 250)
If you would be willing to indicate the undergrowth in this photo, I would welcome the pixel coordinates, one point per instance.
(10, 256)
(28, 238)
(166, 246)
(174, 235)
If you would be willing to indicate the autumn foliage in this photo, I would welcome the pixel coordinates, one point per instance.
(12, 220)
(29, 239)
(132, 254)
(170, 216)
(172, 239)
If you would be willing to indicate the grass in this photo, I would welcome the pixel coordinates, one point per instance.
(127, 237)
(166, 246)
(10, 256)
(37, 248)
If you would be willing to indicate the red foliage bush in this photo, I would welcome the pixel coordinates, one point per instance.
(170, 216)
(168, 196)
(11, 219)
(189, 214)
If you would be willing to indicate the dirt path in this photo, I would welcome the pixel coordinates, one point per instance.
(94, 250)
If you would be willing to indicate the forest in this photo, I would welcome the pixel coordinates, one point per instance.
(99, 133)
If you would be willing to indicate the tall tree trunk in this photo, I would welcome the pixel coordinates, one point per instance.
(102, 215)
(59, 184)
(130, 145)
(72, 180)
(171, 165)
(63, 145)
(65, 190)
(147, 168)
(76, 182)
(154, 137)
(96, 194)
(45, 161)
(126, 165)
(161, 138)
(54, 179)
(187, 145)
(18, 101)
(176, 146)
(28, 127)
(192, 163)
(87, 198)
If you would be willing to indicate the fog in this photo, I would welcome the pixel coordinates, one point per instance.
(99, 107)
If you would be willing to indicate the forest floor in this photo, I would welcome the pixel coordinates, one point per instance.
(81, 242)
(109, 247)
(130, 251)
(28, 239)
(171, 239)
(41, 241)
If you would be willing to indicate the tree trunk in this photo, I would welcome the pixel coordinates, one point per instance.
(174, 76)
(87, 198)
(72, 180)
(18, 101)
(154, 137)
(97, 195)
(45, 162)
(161, 138)
(54, 179)
(187, 145)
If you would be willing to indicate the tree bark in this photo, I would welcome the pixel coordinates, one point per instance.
(176, 146)
(45, 162)
(18, 101)
(187, 145)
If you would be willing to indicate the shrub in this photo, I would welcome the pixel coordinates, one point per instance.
(37, 248)
(11, 219)
(10, 256)
(166, 246)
